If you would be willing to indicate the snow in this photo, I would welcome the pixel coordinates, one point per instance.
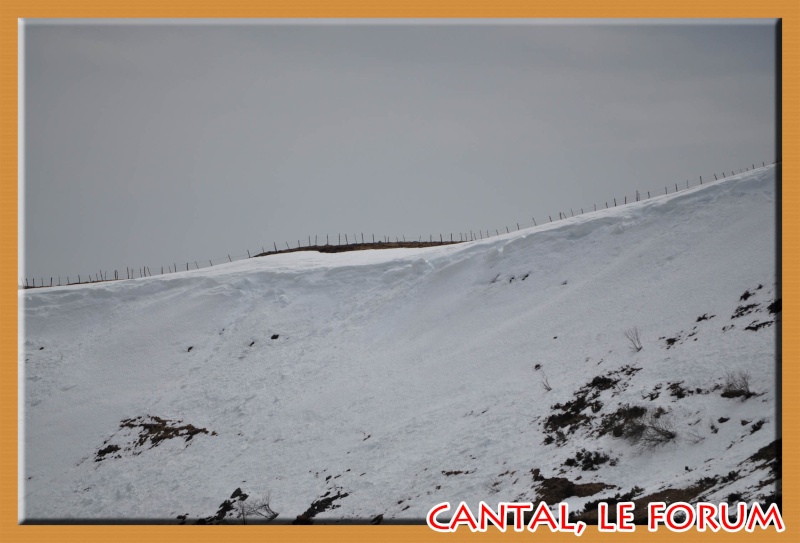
(393, 367)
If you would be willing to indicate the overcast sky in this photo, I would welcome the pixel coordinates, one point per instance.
(152, 144)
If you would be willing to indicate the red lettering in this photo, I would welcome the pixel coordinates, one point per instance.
(624, 517)
(543, 516)
(741, 509)
(675, 508)
(705, 515)
(518, 509)
(654, 514)
(757, 516)
(432, 523)
(602, 518)
(486, 513)
(463, 516)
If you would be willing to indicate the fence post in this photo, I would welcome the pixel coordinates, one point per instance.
(287, 246)
(701, 179)
(507, 230)
(615, 202)
(274, 245)
(195, 264)
(551, 218)
(676, 187)
(534, 221)
(248, 255)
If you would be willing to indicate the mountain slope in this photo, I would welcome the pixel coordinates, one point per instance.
(372, 383)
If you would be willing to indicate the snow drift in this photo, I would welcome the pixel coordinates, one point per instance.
(369, 386)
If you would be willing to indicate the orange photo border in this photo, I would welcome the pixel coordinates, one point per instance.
(13, 10)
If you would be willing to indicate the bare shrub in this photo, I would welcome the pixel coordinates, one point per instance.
(546, 384)
(259, 510)
(633, 337)
(737, 384)
(657, 430)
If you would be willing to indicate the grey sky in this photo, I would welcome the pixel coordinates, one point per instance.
(152, 144)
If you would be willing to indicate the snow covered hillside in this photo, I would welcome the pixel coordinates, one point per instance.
(372, 385)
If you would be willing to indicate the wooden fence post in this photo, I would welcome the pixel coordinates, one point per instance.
(275, 246)
(507, 230)
(615, 202)
(248, 254)
(534, 221)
